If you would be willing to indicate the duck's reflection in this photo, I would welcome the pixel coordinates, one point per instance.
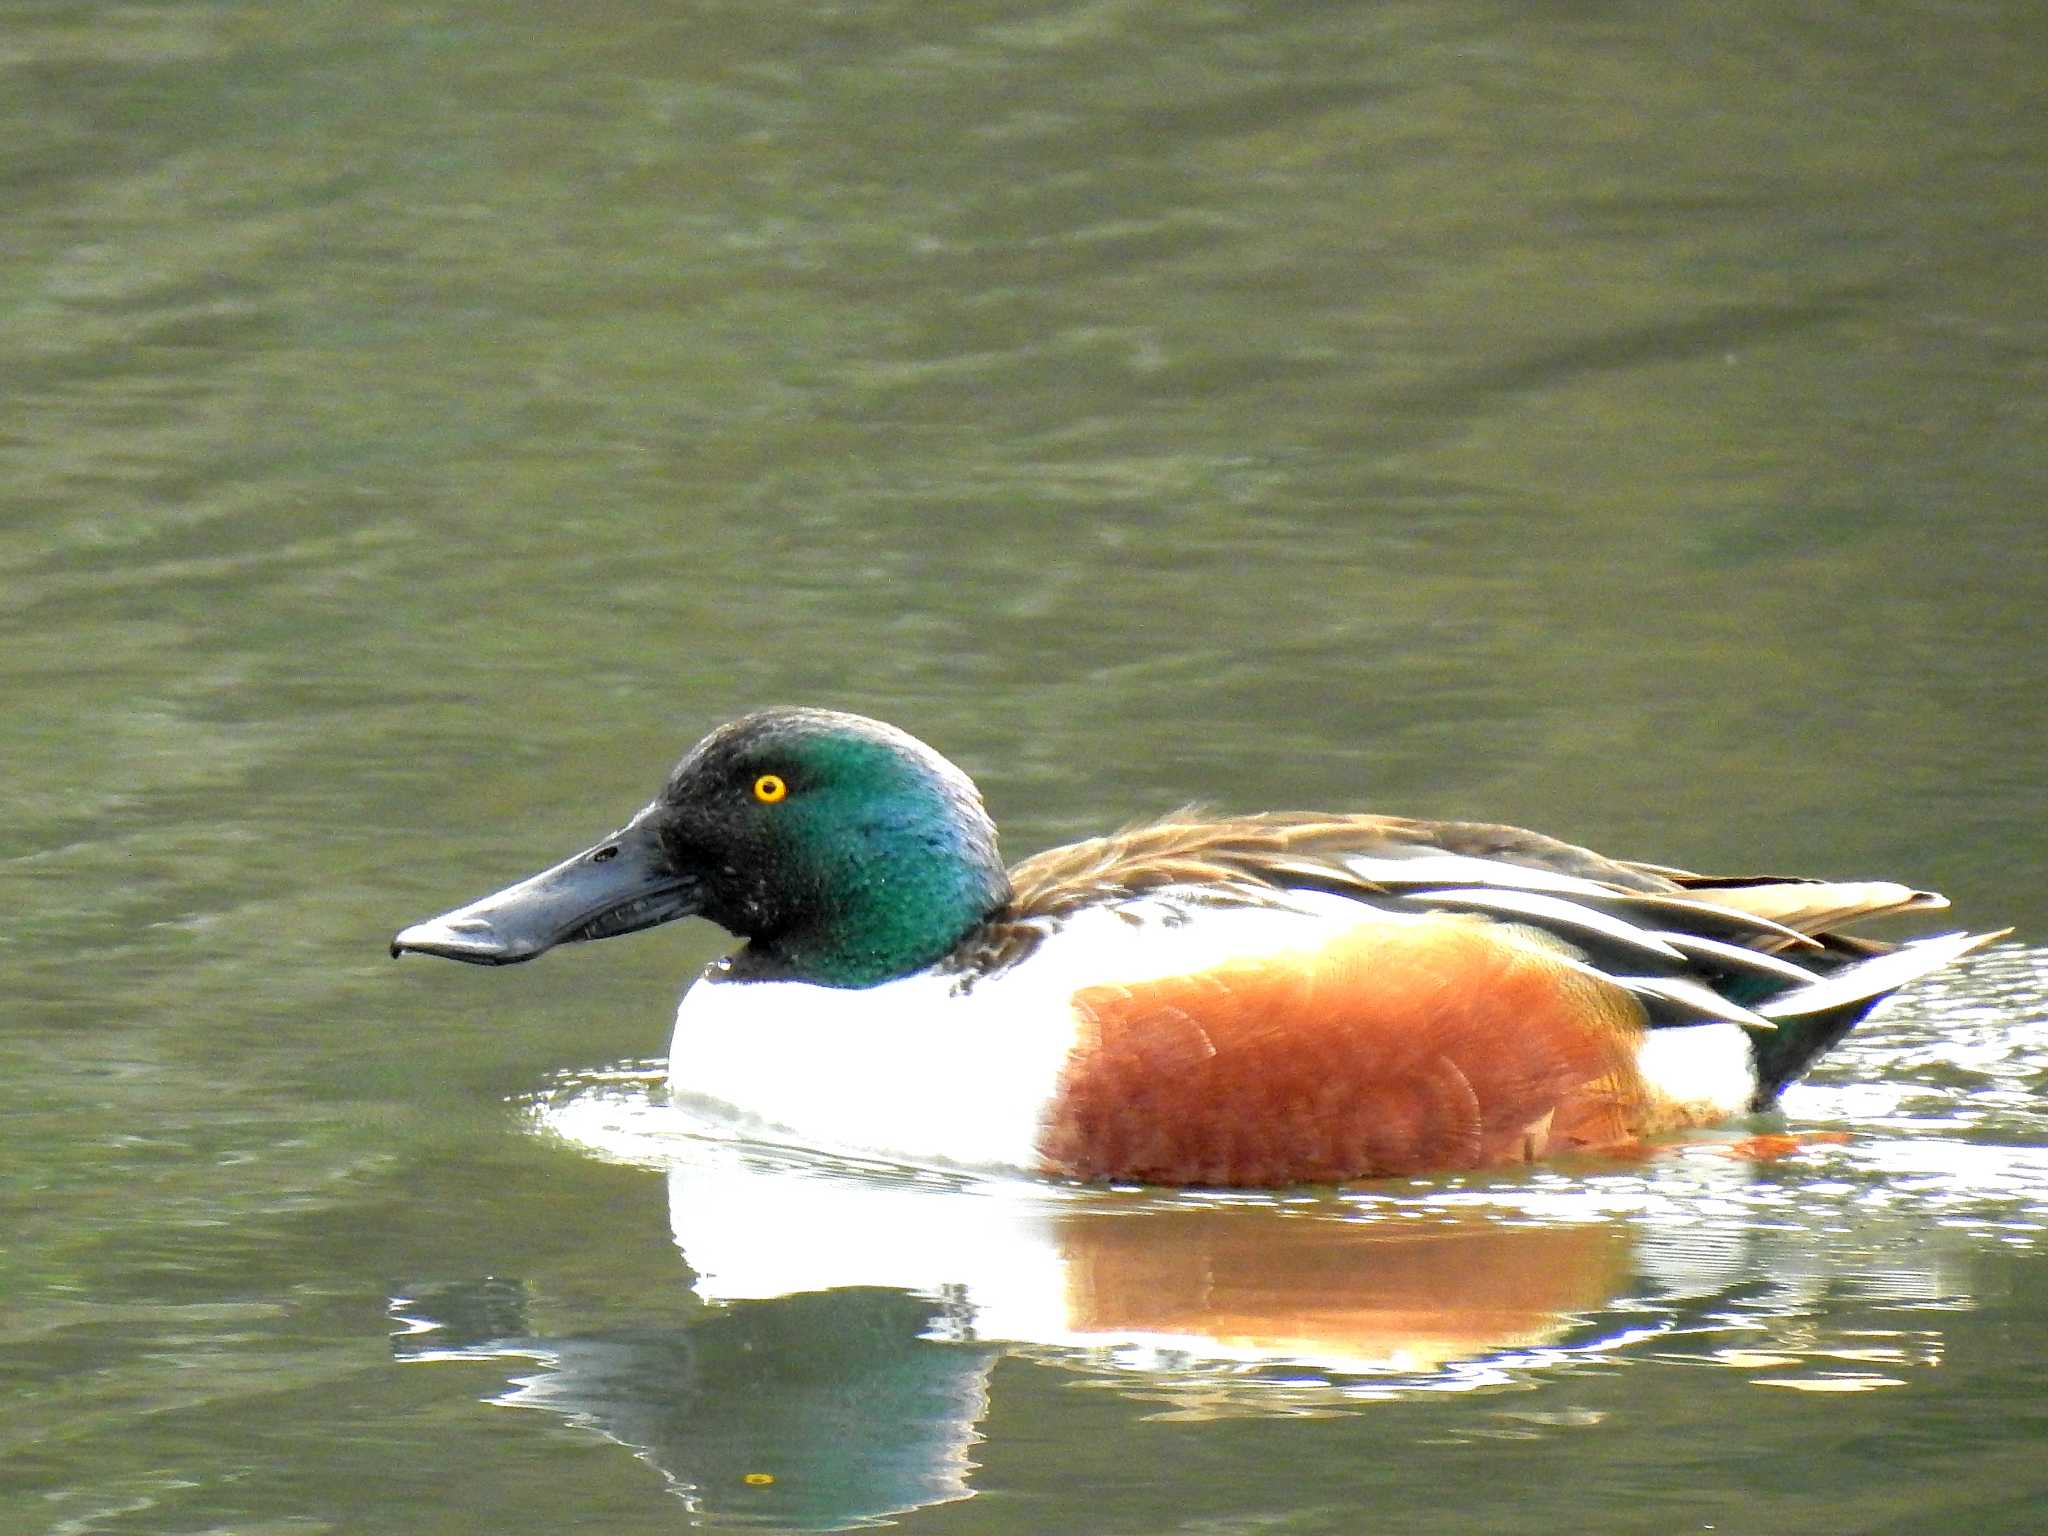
(841, 1371)
(814, 1412)
(1142, 1279)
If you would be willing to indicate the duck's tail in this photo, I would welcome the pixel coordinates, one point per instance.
(1851, 975)
(1812, 1019)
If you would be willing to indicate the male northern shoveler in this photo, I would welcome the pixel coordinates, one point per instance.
(1257, 1000)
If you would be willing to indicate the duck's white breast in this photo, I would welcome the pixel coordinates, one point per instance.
(908, 1070)
(924, 1071)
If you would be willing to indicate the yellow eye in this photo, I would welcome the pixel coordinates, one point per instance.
(770, 788)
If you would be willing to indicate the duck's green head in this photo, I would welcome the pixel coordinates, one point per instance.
(846, 852)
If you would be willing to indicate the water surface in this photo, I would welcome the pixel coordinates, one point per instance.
(417, 424)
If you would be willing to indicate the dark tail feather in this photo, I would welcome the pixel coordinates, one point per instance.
(1810, 1020)
(1784, 1055)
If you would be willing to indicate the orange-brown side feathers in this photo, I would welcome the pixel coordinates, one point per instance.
(1396, 1048)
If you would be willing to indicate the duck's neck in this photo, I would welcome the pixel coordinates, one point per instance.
(899, 900)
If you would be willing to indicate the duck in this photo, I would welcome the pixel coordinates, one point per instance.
(1233, 1001)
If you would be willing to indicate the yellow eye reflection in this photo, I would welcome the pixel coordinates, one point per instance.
(770, 788)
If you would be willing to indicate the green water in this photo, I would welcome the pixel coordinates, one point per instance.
(417, 424)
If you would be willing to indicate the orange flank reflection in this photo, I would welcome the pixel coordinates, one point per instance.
(1342, 1294)
(1771, 1146)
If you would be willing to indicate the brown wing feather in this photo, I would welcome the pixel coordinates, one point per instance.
(1271, 851)
(1249, 859)
(1814, 906)
(1283, 849)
